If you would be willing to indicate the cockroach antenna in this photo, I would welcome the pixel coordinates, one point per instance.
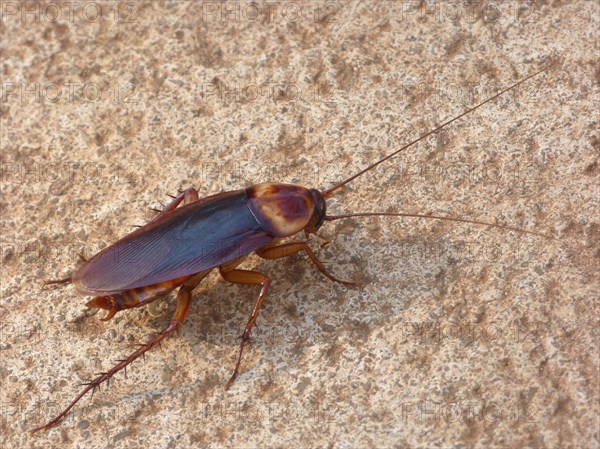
(330, 192)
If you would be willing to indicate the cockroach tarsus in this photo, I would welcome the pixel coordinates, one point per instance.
(191, 236)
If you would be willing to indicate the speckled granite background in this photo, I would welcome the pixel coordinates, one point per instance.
(463, 336)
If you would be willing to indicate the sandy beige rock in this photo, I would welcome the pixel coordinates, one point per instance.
(463, 336)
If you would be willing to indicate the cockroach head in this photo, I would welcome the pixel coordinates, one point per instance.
(320, 208)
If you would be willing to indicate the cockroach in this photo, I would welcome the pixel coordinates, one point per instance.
(191, 236)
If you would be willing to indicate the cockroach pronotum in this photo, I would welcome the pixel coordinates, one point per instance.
(184, 242)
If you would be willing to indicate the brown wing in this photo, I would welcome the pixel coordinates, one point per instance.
(191, 239)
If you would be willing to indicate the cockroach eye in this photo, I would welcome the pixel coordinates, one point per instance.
(320, 208)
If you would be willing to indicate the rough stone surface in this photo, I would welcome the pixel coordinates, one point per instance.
(463, 335)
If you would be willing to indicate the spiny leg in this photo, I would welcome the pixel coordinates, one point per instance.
(287, 249)
(187, 196)
(184, 298)
(66, 280)
(230, 274)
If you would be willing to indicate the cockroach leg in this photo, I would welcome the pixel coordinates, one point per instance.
(187, 196)
(230, 274)
(184, 299)
(66, 280)
(287, 249)
(325, 240)
(57, 281)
